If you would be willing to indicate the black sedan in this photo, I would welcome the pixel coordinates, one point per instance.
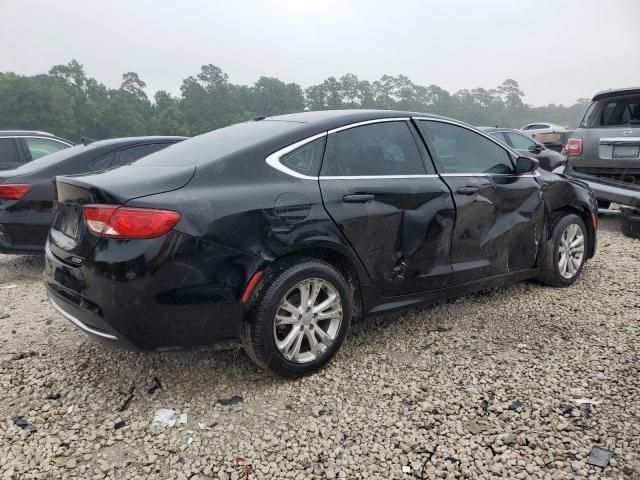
(527, 146)
(27, 193)
(277, 232)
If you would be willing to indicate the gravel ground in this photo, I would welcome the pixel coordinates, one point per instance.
(478, 387)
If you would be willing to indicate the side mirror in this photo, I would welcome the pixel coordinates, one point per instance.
(526, 165)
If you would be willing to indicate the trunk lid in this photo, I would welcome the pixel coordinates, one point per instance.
(611, 154)
(69, 238)
(610, 133)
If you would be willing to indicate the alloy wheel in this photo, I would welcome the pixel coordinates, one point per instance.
(308, 320)
(571, 251)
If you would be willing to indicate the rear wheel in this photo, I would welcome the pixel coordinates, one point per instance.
(300, 318)
(566, 252)
(631, 223)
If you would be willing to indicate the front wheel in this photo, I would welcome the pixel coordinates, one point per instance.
(566, 252)
(300, 318)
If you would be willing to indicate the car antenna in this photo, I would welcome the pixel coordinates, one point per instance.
(86, 141)
(258, 118)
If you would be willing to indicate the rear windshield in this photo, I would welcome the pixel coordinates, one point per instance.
(610, 112)
(216, 144)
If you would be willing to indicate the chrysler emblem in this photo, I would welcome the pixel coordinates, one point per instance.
(626, 132)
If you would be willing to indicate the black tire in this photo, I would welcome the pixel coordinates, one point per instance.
(631, 223)
(550, 274)
(258, 331)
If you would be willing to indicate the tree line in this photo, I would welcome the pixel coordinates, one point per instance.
(67, 102)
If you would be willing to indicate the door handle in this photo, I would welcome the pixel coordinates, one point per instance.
(467, 190)
(358, 198)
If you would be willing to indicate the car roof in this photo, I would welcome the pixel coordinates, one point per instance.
(616, 92)
(328, 119)
(128, 140)
(18, 133)
(499, 129)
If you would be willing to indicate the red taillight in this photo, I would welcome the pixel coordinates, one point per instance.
(574, 146)
(13, 191)
(114, 221)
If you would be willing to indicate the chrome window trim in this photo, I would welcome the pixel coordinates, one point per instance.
(78, 323)
(274, 159)
(524, 175)
(368, 122)
(374, 177)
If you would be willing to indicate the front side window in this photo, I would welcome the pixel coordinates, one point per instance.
(520, 142)
(461, 150)
(39, 147)
(378, 149)
(8, 150)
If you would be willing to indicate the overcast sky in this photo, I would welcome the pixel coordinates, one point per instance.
(558, 50)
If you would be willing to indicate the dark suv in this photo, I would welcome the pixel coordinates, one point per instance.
(18, 147)
(605, 151)
(277, 232)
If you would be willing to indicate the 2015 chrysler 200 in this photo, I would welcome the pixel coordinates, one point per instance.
(277, 232)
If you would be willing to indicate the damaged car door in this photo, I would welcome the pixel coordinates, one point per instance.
(380, 188)
(499, 213)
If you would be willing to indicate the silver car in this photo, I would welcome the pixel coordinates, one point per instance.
(605, 150)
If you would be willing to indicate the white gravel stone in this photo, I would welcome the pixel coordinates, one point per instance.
(430, 388)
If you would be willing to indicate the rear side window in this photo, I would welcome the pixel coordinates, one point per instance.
(125, 156)
(39, 147)
(131, 154)
(611, 112)
(8, 150)
(102, 163)
(306, 159)
(378, 149)
(499, 136)
(461, 150)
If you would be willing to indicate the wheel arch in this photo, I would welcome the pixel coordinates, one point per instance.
(348, 266)
(584, 214)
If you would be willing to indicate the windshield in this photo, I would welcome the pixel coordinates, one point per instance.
(216, 144)
(610, 112)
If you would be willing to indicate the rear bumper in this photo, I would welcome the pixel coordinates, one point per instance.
(69, 311)
(154, 301)
(615, 192)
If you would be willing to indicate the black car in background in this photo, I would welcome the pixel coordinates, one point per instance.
(277, 232)
(527, 146)
(18, 147)
(27, 193)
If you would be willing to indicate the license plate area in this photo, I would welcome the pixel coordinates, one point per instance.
(626, 151)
